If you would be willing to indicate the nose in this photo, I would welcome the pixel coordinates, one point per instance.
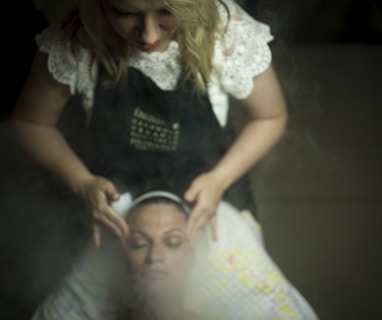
(155, 254)
(149, 28)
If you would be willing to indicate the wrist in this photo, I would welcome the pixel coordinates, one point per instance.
(77, 181)
(222, 177)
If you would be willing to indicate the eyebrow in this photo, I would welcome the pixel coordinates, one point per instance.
(120, 5)
(174, 230)
(166, 232)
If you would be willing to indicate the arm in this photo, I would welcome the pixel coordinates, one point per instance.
(35, 116)
(267, 114)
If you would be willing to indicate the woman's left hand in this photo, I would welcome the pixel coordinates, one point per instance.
(206, 192)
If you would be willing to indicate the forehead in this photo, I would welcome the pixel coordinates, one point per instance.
(158, 217)
(142, 5)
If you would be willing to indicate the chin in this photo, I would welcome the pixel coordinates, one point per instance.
(159, 290)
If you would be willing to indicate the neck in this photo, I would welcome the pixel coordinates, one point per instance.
(155, 314)
(159, 309)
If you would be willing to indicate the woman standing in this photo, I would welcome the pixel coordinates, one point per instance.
(155, 77)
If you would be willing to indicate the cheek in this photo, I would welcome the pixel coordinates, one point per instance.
(179, 260)
(135, 259)
(122, 27)
(170, 24)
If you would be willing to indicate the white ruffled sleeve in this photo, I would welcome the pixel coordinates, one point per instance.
(240, 55)
(244, 52)
(78, 72)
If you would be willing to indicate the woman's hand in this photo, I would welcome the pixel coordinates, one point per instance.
(99, 193)
(267, 117)
(206, 191)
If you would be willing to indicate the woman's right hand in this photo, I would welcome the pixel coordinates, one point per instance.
(36, 113)
(99, 193)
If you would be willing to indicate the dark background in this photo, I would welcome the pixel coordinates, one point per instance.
(319, 191)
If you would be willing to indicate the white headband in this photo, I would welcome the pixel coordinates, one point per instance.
(125, 203)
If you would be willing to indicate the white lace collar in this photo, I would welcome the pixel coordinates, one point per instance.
(162, 67)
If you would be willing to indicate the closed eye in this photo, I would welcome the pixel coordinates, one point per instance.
(138, 245)
(120, 13)
(137, 242)
(165, 12)
(173, 241)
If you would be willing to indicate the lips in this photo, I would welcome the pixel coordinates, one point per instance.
(149, 46)
(154, 275)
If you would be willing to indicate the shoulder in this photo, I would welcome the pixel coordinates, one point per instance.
(68, 60)
(242, 50)
(237, 17)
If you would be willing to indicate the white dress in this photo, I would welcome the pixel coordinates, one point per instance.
(242, 54)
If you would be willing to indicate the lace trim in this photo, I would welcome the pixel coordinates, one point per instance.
(61, 63)
(163, 68)
(240, 55)
(79, 73)
(244, 52)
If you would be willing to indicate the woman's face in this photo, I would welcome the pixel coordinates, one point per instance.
(158, 250)
(147, 25)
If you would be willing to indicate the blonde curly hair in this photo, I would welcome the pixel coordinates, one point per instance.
(199, 25)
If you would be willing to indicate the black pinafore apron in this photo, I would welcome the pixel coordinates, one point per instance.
(143, 138)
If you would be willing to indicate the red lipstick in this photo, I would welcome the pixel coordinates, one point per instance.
(149, 46)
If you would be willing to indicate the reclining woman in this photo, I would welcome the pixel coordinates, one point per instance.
(168, 277)
(159, 258)
(233, 278)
